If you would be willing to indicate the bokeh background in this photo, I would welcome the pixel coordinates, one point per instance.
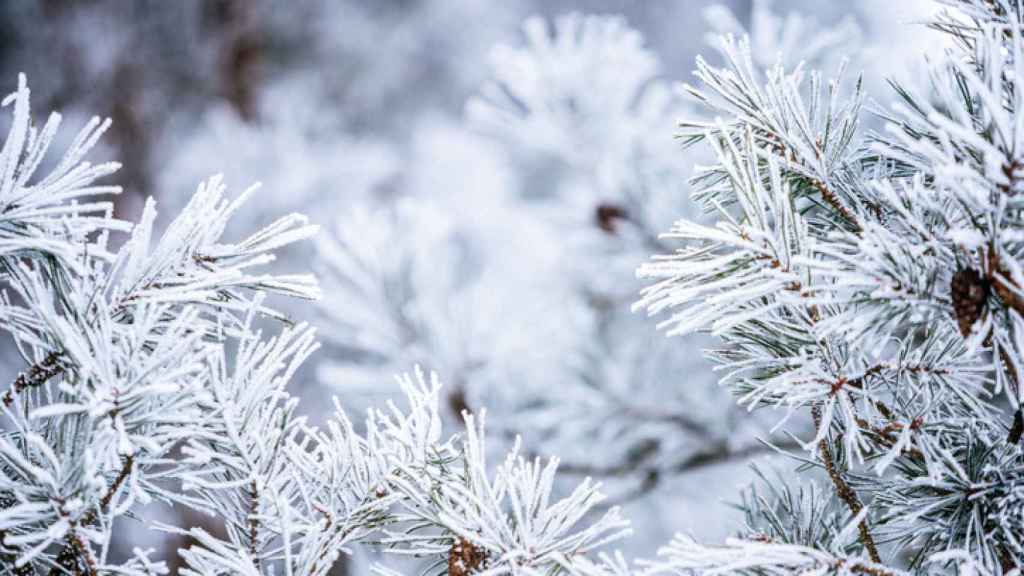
(486, 183)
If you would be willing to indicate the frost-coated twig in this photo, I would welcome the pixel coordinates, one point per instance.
(36, 375)
(845, 492)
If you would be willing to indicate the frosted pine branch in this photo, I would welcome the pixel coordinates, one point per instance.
(872, 279)
(149, 384)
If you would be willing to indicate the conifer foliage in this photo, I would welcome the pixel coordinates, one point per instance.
(869, 282)
(873, 282)
(150, 382)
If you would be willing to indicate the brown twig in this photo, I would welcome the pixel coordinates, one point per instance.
(885, 435)
(776, 145)
(122, 475)
(843, 490)
(36, 375)
(254, 523)
(829, 196)
(75, 551)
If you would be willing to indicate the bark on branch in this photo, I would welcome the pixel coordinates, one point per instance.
(36, 375)
(844, 491)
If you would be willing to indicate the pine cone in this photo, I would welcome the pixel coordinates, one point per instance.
(465, 558)
(970, 292)
(607, 216)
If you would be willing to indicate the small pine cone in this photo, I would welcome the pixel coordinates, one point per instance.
(608, 215)
(465, 558)
(969, 292)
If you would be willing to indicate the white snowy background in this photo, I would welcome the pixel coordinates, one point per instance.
(487, 176)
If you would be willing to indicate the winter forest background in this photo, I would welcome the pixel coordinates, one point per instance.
(487, 177)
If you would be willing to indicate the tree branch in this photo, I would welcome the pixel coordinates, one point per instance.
(718, 453)
(36, 375)
(843, 490)
(74, 550)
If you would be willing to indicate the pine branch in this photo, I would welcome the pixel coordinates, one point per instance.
(843, 490)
